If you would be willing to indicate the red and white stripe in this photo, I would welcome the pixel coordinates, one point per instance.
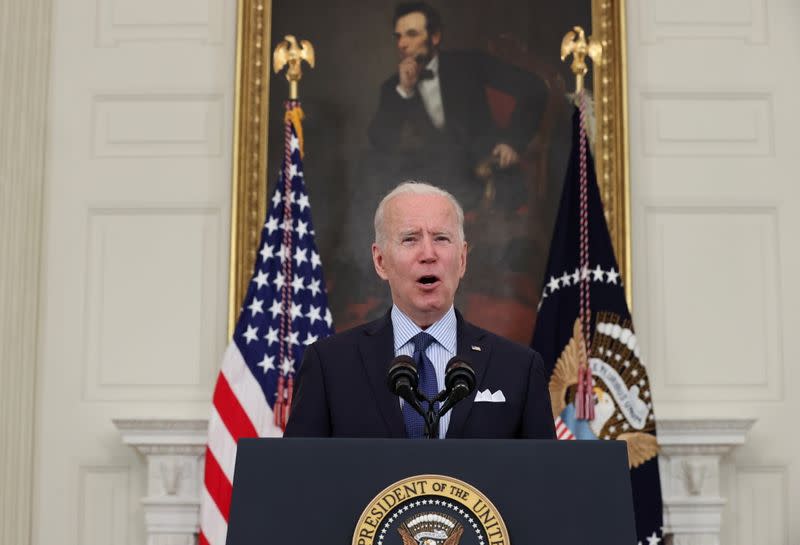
(562, 431)
(239, 410)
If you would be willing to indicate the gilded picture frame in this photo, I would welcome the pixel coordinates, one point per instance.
(250, 147)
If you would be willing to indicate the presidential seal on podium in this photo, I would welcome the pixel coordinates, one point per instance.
(430, 510)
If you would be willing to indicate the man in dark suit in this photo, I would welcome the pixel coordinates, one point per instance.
(420, 251)
(433, 119)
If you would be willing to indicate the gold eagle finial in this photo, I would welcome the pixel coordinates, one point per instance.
(289, 53)
(574, 42)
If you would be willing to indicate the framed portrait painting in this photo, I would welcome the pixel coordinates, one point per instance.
(494, 131)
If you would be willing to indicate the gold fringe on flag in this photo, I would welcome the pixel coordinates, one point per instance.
(295, 116)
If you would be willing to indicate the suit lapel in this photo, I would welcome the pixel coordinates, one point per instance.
(377, 351)
(474, 347)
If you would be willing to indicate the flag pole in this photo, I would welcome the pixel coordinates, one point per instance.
(575, 43)
(288, 54)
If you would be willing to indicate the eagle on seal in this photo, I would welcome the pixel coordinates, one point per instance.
(641, 446)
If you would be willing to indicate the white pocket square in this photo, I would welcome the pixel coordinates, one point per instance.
(489, 397)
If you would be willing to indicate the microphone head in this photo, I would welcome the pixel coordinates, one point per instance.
(460, 372)
(402, 369)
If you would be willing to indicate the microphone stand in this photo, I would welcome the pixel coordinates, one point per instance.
(431, 422)
(432, 416)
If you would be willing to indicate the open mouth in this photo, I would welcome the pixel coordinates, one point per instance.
(428, 280)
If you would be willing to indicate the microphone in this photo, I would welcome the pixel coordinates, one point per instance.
(459, 382)
(403, 380)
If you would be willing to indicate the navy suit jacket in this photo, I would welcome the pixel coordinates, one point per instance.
(341, 387)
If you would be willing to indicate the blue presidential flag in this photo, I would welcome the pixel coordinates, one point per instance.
(599, 387)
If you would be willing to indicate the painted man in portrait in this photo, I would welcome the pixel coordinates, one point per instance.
(434, 120)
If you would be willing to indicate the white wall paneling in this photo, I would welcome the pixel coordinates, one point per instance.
(715, 208)
(158, 125)
(103, 505)
(120, 21)
(761, 508)
(152, 271)
(134, 282)
(728, 255)
(744, 20)
(707, 123)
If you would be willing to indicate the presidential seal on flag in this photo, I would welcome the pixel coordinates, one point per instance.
(430, 510)
(621, 392)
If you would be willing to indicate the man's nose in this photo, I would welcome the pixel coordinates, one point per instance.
(427, 250)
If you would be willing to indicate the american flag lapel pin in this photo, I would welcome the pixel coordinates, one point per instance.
(476, 348)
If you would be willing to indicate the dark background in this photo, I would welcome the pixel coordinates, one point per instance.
(355, 53)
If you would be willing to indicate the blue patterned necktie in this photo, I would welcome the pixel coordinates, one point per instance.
(415, 423)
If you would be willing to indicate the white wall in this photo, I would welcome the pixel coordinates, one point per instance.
(135, 247)
(715, 210)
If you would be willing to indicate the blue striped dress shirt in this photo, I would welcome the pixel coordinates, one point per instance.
(439, 352)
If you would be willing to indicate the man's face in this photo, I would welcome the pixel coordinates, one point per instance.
(422, 256)
(412, 38)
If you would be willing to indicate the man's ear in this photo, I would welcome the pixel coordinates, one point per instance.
(464, 252)
(436, 38)
(377, 260)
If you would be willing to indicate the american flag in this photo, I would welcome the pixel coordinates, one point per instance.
(285, 310)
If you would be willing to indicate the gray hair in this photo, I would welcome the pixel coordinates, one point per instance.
(415, 188)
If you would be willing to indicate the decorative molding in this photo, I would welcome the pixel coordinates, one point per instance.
(762, 505)
(675, 436)
(251, 116)
(690, 465)
(149, 433)
(744, 20)
(24, 71)
(693, 247)
(171, 521)
(174, 451)
(120, 21)
(695, 539)
(103, 505)
(152, 124)
(707, 124)
(611, 135)
(695, 515)
(123, 243)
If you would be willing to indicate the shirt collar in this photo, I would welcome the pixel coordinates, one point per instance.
(433, 66)
(443, 330)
